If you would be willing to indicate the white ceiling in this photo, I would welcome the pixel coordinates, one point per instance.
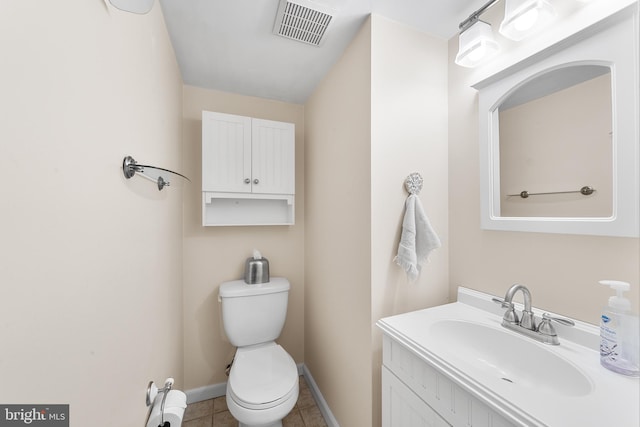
(229, 45)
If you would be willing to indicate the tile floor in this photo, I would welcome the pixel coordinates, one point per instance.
(214, 412)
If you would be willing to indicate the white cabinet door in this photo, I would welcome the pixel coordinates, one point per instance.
(401, 407)
(245, 155)
(226, 153)
(273, 163)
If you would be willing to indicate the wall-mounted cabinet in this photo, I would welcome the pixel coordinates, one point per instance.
(248, 170)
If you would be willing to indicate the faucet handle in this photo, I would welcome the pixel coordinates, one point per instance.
(502, 303)
(527, 321)
(561, 320)
(510, 315)
(546, 328)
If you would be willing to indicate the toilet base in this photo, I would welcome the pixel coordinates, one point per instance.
(257, 418)
(275, 424)
(254, 372)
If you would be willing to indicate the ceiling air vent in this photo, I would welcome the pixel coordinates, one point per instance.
(302, 20)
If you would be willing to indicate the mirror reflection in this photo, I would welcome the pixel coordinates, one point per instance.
(555, 134)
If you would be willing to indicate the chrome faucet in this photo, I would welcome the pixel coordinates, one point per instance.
(527, 321)
(526, 325)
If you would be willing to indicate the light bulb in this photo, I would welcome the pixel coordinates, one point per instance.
(527, 20)
(478, 53)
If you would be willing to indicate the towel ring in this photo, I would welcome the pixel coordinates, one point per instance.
(413, 183)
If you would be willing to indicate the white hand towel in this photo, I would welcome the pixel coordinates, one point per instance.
(418, 238)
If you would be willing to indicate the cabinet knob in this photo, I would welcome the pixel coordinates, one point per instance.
(247, 181)
(256, 181)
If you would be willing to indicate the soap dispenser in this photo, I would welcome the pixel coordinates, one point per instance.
(619, 332)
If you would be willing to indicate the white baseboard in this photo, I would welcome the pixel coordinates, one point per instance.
(216, 390)
(322, 404)
(206, 392)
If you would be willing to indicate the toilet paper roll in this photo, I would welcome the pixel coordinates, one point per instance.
(174, 407)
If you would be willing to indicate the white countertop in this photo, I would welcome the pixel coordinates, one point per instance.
(612, 400)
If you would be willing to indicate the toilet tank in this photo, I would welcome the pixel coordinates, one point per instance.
(254, 314)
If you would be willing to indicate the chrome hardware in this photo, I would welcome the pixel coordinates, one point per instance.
(247, 181)
(546, 328)
(501, 302)
(130, 168)
(255, 181)
(585, 191)
(544, 332)
(256, 270)
(527, 320)
(153, 391)
(162, 183)
(165, 390)
(510, 315)
(561, 320)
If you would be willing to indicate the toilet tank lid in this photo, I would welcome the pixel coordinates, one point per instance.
(238, 288)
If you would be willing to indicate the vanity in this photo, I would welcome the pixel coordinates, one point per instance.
(456, 365)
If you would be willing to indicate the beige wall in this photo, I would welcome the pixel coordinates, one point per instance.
(213, 255)
(562, 271)
(338, 234)
(90, 263)
(408, 134)
(379, 115)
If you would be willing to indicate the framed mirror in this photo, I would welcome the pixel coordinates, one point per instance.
(559, 143)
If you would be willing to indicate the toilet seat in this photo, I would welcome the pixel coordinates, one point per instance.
(262, 377)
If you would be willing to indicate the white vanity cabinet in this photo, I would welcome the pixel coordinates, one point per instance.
(416, 394)
(456, 365)
(248, 170)
(403, 408)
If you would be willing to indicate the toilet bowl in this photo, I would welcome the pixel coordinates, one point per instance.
(263, 382)
(263, 385)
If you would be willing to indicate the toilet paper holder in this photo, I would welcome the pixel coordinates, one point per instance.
(152, 392)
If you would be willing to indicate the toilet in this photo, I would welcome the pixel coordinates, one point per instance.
(263, 381)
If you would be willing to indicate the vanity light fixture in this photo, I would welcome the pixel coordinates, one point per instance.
(521, 19)
(476, 45)
(525, 17)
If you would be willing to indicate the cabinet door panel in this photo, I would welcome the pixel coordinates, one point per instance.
(403, 408)
(273, 152)
(226, 152)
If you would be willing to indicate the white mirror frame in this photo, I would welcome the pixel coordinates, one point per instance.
(616, 46)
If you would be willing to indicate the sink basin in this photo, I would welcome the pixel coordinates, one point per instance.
(466, 366)
(508, 357)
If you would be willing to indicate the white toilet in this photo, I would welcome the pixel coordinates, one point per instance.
(263, 382)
